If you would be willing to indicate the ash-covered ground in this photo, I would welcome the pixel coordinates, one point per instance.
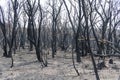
(26, 67)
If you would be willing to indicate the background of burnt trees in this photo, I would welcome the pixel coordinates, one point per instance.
(10, 41)
(87, 25)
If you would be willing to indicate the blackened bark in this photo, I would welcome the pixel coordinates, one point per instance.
(31, 46)
(39, 57)
(78, 59)
(88, 40)
(3, 28)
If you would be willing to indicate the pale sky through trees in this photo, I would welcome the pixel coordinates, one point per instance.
(3, 3)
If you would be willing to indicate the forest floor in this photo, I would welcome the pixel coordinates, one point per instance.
(26, 67)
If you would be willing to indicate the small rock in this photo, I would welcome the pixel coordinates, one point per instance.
(115, 67)
(119, 78)
(101, 65)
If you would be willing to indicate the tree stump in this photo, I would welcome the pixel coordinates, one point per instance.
(111, 61)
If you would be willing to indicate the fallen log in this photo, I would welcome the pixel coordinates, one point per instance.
(107, 55)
